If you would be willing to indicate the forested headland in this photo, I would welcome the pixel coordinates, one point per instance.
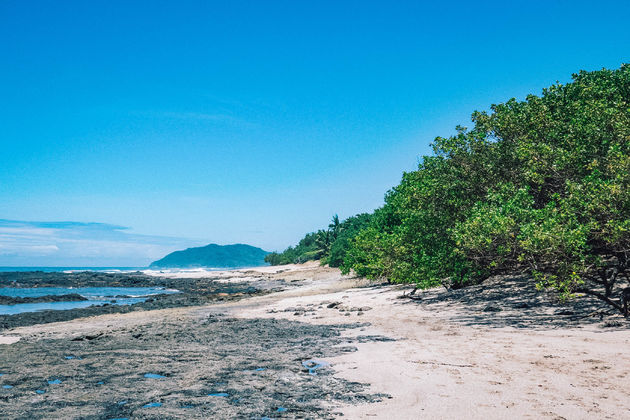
(539, 186)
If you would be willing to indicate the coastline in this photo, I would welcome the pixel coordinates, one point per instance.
(446, 355)
(192, 292)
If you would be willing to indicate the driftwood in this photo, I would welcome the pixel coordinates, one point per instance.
(411, 295)
(625, 301)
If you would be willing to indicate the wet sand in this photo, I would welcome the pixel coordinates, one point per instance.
(498, 351)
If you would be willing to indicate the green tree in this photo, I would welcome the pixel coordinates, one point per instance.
(539, 185)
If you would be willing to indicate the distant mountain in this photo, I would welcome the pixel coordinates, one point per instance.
(214, 256)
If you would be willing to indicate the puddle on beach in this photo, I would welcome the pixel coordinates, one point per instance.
(281, 409)
(153, 404)
(153, 376)
(219, 394)
(54, 382)
(40, 391)
(312, 365)
(94, 296)
(7, 386)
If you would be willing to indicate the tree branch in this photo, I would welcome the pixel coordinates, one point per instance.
(600, 296)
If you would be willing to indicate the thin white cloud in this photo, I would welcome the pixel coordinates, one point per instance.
(31, 250)
(199, 116)
(216, 118)
(25, 243)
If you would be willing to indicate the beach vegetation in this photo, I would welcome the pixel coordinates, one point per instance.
(539, 186)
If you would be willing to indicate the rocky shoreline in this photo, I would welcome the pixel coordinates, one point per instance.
(193, 292)
(325, 346)
(167, 361)
(70, 297)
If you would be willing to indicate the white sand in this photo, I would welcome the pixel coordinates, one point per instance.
(8, 339)
(438, 368)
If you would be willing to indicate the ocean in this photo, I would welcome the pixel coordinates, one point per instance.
(62, 269)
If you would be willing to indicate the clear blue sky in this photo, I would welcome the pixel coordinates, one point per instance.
(252, 122)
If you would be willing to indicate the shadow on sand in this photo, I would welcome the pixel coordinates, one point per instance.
(514, 301)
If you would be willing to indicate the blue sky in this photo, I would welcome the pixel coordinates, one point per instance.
(253, 122)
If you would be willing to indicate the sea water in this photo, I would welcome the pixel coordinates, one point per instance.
(95, 296)
(72, 269)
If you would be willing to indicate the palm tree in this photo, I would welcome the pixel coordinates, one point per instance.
(323, 241)
(334, 227)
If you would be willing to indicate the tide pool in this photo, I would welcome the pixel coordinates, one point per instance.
(94, 296)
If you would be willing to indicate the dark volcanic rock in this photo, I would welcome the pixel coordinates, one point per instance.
(71, 297)
(217, 367)
(194, 292)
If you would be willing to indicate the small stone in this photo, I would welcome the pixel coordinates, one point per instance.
(565, 312)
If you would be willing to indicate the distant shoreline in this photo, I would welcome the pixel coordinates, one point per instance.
(60, 269)
(146, 270)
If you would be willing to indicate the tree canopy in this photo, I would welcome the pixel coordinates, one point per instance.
(537, 186)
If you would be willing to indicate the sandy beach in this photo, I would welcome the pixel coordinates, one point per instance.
(316, 344)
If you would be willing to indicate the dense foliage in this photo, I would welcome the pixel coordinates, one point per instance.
(307, 249)
(539, 186)
(327, 245)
